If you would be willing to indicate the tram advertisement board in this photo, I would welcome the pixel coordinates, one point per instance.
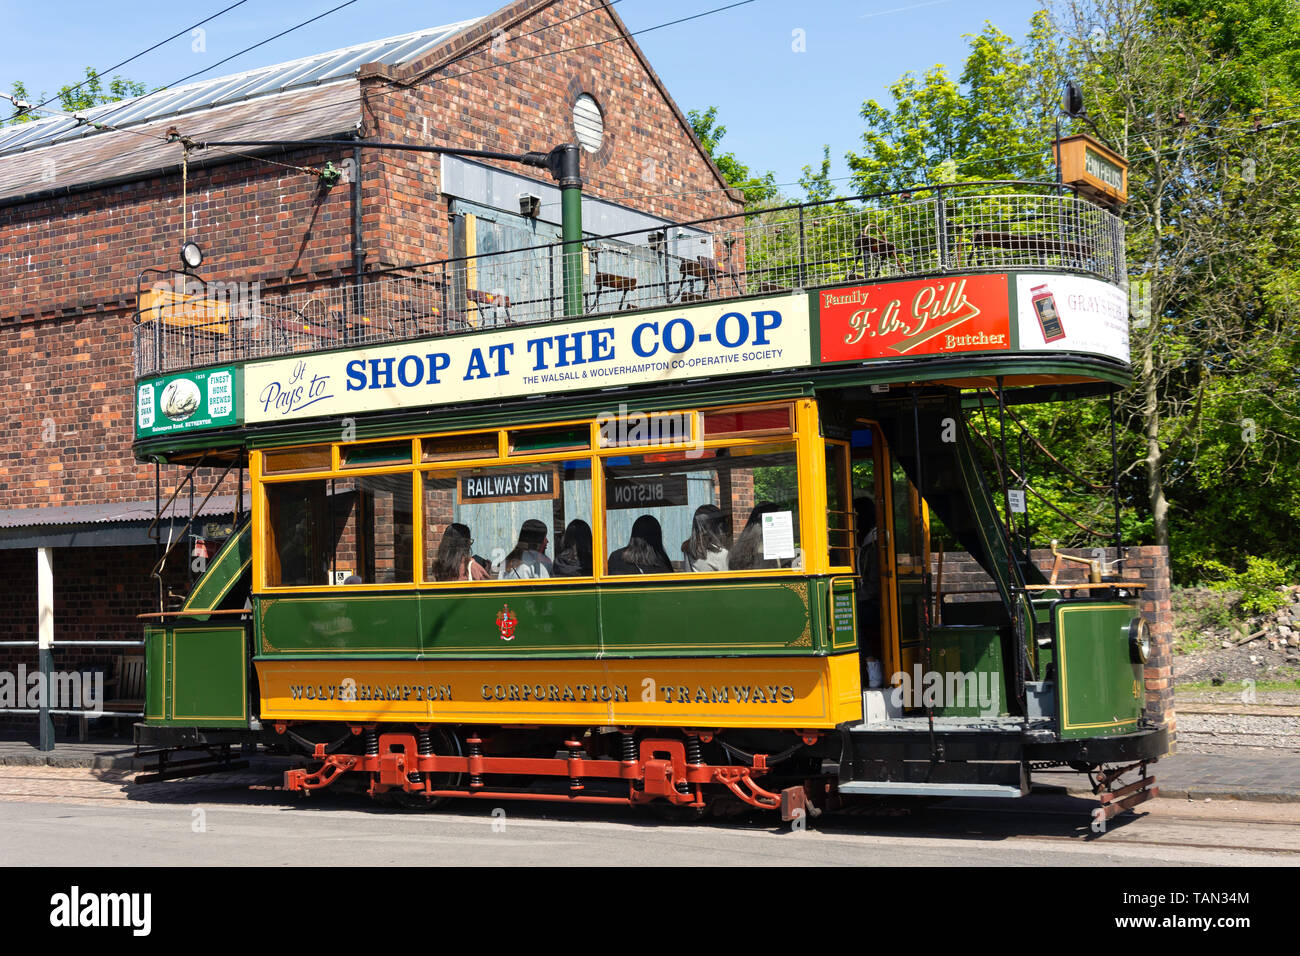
(186, 401)
(1065, 313)
(939, 316)
(668, 345)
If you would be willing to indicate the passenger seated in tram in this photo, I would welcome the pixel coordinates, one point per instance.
(528, 559)
(455, 561)
(706, 548)
(747, 553)
(573, 559)
(644, 552)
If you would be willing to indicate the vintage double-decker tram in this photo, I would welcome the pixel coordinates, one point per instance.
(676, 548)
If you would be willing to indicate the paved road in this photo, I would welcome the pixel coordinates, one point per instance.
(86, 818)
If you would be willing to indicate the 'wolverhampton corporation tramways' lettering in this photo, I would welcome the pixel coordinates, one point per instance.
(347, 692)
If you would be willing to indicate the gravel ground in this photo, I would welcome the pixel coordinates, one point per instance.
(1234, 664)
(1237, 733)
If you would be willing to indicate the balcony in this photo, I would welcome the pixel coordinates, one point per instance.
(966, 228)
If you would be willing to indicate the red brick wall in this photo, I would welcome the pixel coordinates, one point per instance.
(70, 265)
(97, 594)
(648, 159)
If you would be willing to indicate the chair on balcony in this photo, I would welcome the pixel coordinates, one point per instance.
(612, 282)
(492, 306)
(1042, 246)
(872, 250)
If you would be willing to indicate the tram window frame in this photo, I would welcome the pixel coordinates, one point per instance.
(841, 450)
(324, 528)
(788, 444)
(432, 533)
(798, 437)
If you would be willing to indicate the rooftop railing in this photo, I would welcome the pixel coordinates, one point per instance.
(969, 227)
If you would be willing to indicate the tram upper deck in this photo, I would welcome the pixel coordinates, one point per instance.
(971, 284)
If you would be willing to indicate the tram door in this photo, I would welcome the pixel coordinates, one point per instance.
(892, 557)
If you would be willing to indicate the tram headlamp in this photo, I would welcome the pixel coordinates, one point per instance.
(191, 256)
(1139, 639)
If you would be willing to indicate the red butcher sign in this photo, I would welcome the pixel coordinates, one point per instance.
(924, 317)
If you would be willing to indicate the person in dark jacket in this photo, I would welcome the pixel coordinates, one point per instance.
(644, 552)
(573, 560)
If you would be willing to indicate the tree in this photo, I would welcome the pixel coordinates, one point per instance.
(757, 188)
(82, 96)
(1211, 227)
(1202, 97)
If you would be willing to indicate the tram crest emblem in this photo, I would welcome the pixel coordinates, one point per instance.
(506, 622)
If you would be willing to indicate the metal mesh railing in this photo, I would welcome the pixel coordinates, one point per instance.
(967, 228)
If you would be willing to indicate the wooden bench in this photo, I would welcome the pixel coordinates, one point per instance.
(124, 691)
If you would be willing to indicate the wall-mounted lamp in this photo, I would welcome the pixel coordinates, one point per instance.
(530, 206)
(191, 256)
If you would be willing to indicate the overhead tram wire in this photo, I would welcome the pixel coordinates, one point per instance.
(116, 66)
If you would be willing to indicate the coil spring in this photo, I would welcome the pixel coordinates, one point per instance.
(424, 745)
(629, 748)
(475, 750)
(372, 743)
(693, 755)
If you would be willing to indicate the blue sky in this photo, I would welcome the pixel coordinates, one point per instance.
(779, 104)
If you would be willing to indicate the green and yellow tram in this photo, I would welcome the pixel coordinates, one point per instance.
(682, 552)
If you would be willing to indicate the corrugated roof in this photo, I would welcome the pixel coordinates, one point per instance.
(205, 94)
(112, 513)
(316, 96)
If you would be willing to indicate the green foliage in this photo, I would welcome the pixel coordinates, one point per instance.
(82, 96)
(1202, 97)
(993, 123)
(1258, 584)
(757, 188)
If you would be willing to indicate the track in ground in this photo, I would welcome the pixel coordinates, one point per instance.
(88, 817)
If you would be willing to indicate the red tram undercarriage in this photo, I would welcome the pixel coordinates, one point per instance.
(672, 770)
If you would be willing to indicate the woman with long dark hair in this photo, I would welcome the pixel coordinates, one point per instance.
(455, 560)
(644, 552)
(748, 551)
(573, 559)
(528, 559)
(707, 547)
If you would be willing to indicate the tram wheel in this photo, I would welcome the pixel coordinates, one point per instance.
(443, 743)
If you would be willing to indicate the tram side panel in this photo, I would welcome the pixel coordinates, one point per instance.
(726, 654)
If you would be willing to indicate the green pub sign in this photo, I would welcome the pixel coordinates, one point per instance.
(187, 401)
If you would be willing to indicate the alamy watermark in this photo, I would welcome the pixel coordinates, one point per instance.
(628, 429)
(59, 690)
(947, 689)
(240, 300)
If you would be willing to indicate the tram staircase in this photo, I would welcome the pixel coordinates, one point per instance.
(954, 756)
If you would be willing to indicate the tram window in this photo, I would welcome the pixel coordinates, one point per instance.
(749, 422)
(539, 441)
(296, 520)
(461, 447)
(839, 514)
(310, 458)
(373, 454)
(336, 529)
(515, 515)
(745, 499)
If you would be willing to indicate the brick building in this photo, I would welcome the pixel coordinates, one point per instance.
(85, 208)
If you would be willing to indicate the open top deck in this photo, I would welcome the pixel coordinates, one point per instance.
(965, 285)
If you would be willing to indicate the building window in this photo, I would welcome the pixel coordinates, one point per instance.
(588, 122)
